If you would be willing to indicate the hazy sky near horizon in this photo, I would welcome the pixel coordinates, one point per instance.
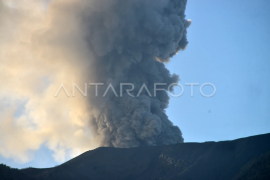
(229, 46)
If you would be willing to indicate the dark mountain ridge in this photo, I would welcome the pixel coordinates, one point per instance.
(245, 158)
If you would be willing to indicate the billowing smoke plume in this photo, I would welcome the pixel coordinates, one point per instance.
(87, 41)
(126, 38)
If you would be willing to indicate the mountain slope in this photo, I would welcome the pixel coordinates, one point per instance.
(246, 158)
(7, 173)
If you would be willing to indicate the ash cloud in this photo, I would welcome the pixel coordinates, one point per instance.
(126, 38)
(78, 41)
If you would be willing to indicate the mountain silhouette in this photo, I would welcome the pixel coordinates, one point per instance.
(241, 159)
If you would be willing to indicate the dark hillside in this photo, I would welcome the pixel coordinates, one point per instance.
(246, 158)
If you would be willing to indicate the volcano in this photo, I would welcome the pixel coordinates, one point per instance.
(241, 159)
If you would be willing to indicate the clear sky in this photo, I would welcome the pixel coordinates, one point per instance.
(230, 48)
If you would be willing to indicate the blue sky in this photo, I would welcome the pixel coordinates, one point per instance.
(230, 48)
